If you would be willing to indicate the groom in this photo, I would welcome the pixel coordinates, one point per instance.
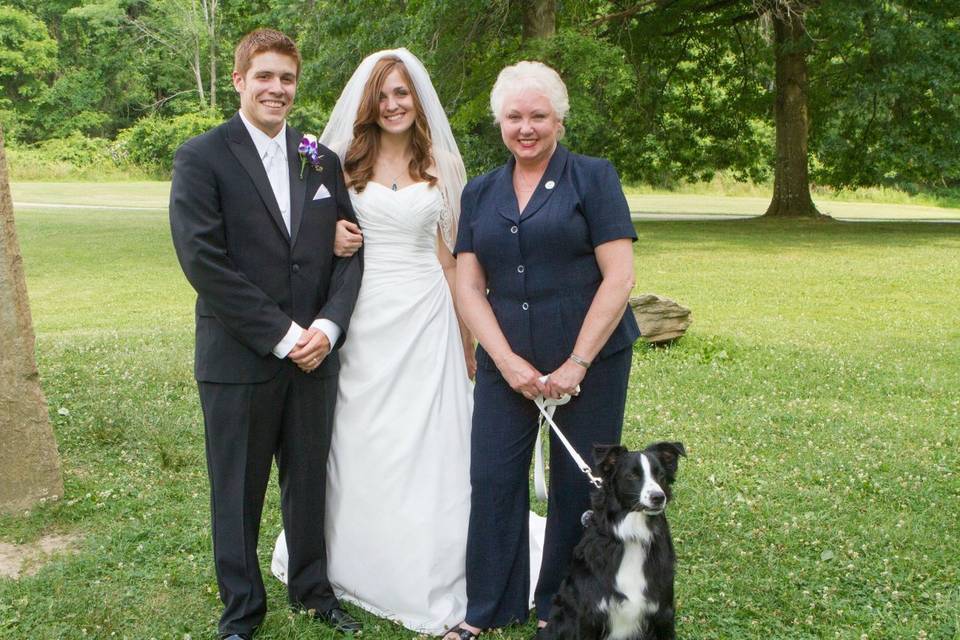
(254, 235)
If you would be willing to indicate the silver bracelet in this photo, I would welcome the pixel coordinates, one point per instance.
(580, 361)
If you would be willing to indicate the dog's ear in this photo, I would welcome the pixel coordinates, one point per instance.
(669, 455)
(605, 457)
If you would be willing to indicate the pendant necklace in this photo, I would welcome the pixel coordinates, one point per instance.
(394, 185)
(523, 183)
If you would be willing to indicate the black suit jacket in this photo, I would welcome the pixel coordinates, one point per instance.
(252, 277)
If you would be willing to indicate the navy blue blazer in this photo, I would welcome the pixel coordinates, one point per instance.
(541, 269)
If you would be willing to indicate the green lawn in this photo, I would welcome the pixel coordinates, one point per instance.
(668, 203)
(131, 194)
(816, 393)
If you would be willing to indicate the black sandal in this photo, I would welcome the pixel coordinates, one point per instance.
(462, 633)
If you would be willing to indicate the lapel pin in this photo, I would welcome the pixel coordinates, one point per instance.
(550, 184)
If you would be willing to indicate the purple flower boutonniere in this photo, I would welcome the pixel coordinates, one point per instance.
(308, 151)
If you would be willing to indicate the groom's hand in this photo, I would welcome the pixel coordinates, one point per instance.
(310, 350)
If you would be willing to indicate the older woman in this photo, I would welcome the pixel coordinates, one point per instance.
(544, 270)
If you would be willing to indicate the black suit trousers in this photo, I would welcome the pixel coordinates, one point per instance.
(288, 417)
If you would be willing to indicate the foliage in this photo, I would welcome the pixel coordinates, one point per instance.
(77, 150)
(669, 91)
(28, 55)
(153, 140)
(885, 107)
(186, 31)
(818, 499)
(602, 101)
(75, 157)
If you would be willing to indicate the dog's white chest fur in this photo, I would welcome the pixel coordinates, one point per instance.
(626, 617)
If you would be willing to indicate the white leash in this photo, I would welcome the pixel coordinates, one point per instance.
(547, 407)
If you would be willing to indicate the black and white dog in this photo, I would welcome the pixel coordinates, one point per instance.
(620, 584)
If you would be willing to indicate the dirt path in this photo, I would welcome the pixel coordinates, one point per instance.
(20, 560)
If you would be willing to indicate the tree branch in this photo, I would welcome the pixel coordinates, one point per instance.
(626, 14)
(699, 28)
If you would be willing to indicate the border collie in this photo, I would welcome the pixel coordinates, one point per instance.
(620, 583)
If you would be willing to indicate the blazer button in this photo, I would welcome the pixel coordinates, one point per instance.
(295, 268)
(520, 269)
(514, 229)
(524, 306)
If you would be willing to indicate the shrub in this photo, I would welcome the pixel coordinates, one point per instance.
(152, 141)
(76, 149)
(75, 157)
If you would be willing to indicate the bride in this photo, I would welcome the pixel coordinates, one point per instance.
(398, 481)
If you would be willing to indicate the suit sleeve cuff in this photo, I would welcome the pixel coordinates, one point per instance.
(285, 346)
(330, 328)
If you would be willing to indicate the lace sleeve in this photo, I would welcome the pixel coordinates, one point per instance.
(447, 223)
(452, 179)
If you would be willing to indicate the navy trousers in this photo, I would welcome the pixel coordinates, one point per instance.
(504, 432)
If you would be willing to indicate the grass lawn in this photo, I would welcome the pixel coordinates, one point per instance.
(816, 393)
(671, 203)
(131, 194)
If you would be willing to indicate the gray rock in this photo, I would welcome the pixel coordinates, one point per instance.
(661, 319)
(29, 462)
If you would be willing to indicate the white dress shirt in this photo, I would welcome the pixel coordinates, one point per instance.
(273, 155)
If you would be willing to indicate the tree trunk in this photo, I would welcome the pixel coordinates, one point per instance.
(791, 181)
(213, 67)
(539, 19)
(198, 74)
(210, 16)
(29, 462)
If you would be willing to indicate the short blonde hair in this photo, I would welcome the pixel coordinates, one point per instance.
(526, 75)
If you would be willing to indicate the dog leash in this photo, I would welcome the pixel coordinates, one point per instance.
(547, 407)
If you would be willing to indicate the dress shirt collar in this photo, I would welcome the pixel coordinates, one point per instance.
(262, 141)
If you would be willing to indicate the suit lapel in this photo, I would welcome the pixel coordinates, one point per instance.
(506, 198)
(298, 186)
(241, 145)
(548, 183)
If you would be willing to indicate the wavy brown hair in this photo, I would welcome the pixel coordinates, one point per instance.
(365, 148)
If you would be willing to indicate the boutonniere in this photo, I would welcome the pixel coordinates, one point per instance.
(308, 151)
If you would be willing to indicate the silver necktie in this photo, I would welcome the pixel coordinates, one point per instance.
(279, 179)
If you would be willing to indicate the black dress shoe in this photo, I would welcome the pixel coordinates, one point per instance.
(340, 620)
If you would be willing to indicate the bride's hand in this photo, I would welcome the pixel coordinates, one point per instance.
(471, 358)
(348, 240)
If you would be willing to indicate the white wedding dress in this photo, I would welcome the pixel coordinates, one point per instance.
(398, 477)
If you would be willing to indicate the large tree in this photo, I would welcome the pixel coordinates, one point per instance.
(791, 48)
(756, 53)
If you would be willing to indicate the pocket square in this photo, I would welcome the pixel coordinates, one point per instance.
(321, 193)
